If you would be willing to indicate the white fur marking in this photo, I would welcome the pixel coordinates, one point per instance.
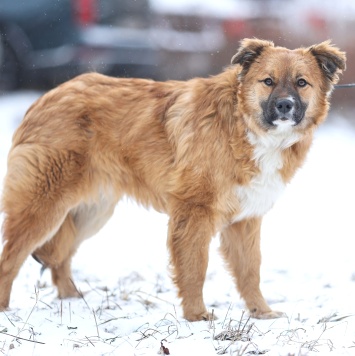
(90, 217)
(284, 124)
(264, 189)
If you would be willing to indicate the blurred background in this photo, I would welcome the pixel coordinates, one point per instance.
(43, 43)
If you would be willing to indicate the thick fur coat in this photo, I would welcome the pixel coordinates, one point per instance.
(213, 153)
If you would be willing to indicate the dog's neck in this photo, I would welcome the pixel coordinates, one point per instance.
(274, 139)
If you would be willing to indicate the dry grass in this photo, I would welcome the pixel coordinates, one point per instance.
(98, 322)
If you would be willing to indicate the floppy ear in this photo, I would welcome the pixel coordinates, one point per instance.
(248, 51)
(330, 60)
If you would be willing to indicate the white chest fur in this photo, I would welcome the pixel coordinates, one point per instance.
(264, 189)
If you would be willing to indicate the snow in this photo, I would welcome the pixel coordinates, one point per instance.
(129, 303)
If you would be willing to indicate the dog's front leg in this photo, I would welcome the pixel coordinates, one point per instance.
(190, 230)
(240, 246)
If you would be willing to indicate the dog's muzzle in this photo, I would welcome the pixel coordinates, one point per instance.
(284, 109)
(283, 112)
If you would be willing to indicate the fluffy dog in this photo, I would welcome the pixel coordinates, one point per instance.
(213, 153)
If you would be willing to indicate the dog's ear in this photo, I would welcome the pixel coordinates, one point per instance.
(330, 60)
(249, 50)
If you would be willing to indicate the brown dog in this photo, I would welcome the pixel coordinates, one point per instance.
(214, 154)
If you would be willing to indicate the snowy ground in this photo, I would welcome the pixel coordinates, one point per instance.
(130, 306)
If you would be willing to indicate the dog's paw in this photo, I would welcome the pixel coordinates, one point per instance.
(4, 302)
(205, 315)
(3, 308)
(270, 314)
(70, 291)
(209, 316)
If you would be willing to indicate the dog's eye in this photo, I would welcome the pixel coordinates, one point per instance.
(301, 83)
(269, 82)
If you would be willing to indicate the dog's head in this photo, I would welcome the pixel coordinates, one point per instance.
(282, 89)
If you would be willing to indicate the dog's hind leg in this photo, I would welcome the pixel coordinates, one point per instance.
(23, 233)
(81, 223)
(41, 186)
(240, 246)
(57, 254)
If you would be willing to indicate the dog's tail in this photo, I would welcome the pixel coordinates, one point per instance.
(44, 266)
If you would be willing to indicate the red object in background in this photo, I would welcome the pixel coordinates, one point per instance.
(85, 11)
(317, 21)
(235, 28)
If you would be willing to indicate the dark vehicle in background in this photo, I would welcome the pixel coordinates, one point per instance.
(45, 42)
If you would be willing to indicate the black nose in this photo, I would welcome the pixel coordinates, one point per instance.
(284, 106)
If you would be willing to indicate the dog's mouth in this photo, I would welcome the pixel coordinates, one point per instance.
(286, 121)
(282, 122)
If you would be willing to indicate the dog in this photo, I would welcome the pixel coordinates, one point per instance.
(213, 153)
